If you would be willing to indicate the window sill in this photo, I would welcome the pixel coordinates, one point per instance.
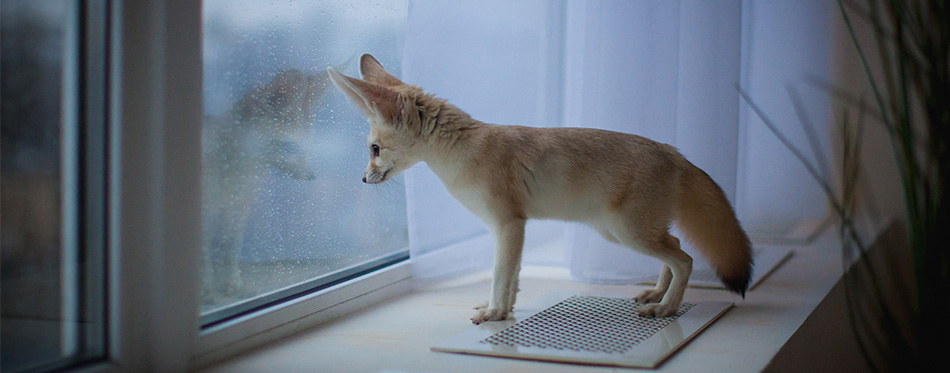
(259, 328)
(397, 334)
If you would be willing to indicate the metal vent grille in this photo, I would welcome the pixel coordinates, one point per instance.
(585, 323)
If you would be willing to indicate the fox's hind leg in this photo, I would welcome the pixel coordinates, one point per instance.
(662, 285)
(678, 265)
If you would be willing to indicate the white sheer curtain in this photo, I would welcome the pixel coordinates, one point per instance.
(502, 62)
(784, 43)
(665, 70)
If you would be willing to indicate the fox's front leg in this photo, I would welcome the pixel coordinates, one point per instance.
(509, 238)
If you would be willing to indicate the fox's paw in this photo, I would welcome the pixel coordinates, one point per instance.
(489, 314)
(480, 306)
(650, 296)
(657, 310)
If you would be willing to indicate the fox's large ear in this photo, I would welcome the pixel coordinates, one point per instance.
(371, 98)
(373, 71)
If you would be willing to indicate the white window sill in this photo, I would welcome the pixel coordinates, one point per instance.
(259, 328)
(396, 334)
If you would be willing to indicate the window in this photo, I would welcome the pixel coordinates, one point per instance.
(53, 228)
(283, 209)
(103, 156)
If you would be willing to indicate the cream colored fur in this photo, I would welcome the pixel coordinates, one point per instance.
(627, 187)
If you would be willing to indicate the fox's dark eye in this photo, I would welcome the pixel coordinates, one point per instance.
(375, 149)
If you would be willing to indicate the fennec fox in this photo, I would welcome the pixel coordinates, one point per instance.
(627, 187)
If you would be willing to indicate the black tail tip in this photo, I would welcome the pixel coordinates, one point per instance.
(738, 285)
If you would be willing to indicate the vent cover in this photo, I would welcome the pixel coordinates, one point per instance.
(585, 323)
(587, 328)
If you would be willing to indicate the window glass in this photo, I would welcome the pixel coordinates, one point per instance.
(51, 266)
(284, 208)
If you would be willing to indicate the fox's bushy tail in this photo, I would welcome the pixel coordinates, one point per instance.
(708, 221)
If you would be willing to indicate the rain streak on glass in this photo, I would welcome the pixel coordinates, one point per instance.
(283, 152)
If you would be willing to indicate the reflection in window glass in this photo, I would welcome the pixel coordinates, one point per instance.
(51, 289)
(284, 153)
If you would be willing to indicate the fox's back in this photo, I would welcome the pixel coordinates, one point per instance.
(576, 173)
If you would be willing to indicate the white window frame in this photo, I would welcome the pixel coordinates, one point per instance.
(155, 120)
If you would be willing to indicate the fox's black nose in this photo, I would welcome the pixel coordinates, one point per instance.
(364, 179)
